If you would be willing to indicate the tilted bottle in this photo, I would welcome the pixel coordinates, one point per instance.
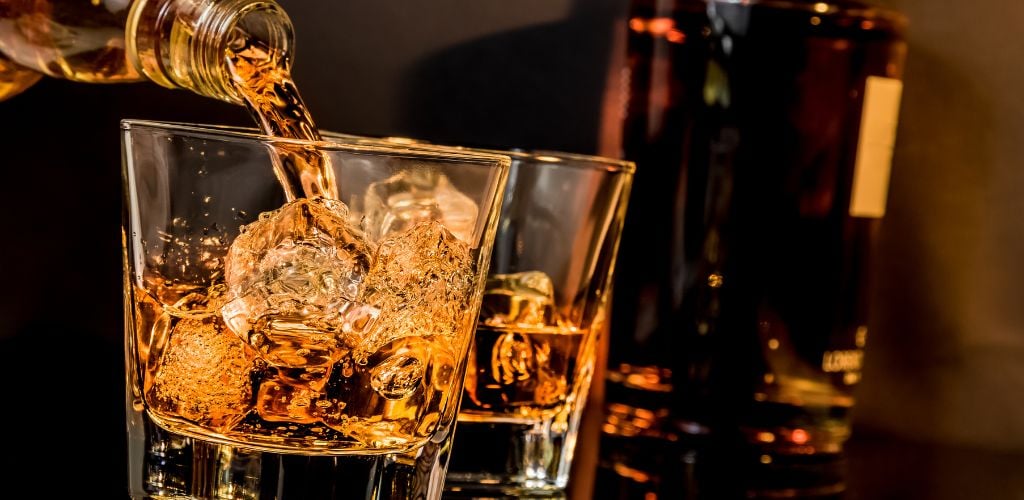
(175, 43)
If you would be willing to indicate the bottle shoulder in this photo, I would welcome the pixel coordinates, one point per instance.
(81, 41)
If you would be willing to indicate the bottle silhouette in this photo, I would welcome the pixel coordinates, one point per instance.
(762, 133)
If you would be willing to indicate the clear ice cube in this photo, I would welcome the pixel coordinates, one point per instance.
(422, 282)
(397, 377)
(294, 278)
(514, 358)
(411, 197)
(523, 299)
(203, 375)
(525, 361)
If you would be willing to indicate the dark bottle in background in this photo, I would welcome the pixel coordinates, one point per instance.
(763, 136)
(641, 451)
(668, 54)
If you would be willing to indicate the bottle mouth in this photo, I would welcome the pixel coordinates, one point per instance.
(241, 25)
(187, 43)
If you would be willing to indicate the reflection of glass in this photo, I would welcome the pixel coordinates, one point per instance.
(262, 334)
(543, 312)
(766, 128)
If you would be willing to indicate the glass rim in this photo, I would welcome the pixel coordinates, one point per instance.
(396, 143)
(229, 132)
(576, 160)
(548, 156)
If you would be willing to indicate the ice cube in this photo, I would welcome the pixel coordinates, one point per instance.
(294, 277)
(203, 375)
(524, 360)
(514, 359)
(397, 377)
(280, 401)
(442, 366)
(422, 282)
(411, 197)
(523, 299)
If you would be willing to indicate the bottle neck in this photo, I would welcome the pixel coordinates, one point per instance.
(187, 43)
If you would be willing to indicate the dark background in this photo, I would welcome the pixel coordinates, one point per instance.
(946, 364)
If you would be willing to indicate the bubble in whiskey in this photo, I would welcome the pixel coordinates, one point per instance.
(183, 256)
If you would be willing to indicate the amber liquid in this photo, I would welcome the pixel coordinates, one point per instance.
(200, 379)
(292, 374)
(260, 75)
(520, 374)
(14, 79)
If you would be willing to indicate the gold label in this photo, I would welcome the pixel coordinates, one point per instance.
(875, 145)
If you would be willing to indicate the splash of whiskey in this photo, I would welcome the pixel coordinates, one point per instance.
(261, 76)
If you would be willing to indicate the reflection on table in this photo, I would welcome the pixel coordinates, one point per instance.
(872, 467)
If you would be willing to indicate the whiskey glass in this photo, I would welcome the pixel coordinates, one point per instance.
(542, 320)
(311, 348)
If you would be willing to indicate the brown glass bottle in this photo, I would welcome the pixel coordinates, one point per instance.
(741, 293)
(239, 51)
(175, 43)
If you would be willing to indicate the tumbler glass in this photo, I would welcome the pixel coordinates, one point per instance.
(542, 320)
(313, 348)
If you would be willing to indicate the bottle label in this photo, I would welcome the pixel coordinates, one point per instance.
(874, 147)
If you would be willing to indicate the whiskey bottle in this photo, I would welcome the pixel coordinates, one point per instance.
(763, 133)
(175, 43)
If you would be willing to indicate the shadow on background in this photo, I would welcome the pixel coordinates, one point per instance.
(946, 346)
(537, 87)
(61, 316)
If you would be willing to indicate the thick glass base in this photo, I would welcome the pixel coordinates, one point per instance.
(518, 459)
(795, 450)
(166, 465)
(805, 476)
